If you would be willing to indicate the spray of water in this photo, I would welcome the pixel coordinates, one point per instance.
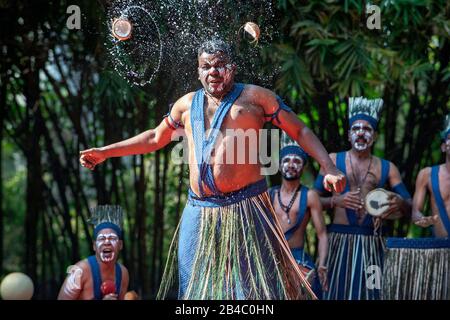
(138, 57)
(166, 34)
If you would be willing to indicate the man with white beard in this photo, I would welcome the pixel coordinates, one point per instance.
(356, 243)
(99, 277)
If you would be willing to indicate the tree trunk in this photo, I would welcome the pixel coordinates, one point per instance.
(2, 112)
(156, 222)
(142, 217)
(34, 201)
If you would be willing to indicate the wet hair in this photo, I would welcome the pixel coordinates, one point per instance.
(214, 46)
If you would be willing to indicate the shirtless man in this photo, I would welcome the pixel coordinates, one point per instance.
(436, 182)
(217, 186)
(295, 205)
(85, 278)
(424, 271)
(352, 242)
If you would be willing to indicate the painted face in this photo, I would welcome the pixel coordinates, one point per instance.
(216, 73)
(291, 167)
(361, 135)
(107, 245)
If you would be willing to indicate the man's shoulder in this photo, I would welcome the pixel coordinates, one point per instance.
(424, 173)
(124, 269)
(83, 264)
(82, 267)
(255, 89)
(312, 195)
(184, 102)
(393, 168)
(187, 98)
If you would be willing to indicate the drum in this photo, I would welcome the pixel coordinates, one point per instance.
(376, 203)
(416, 269)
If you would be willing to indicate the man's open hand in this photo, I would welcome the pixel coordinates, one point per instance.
(425, 222)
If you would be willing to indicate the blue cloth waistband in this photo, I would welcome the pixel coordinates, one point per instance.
(351, 229)
(418, 243)
(227, 199)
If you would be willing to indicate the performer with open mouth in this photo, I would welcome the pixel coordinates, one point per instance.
(100, 277)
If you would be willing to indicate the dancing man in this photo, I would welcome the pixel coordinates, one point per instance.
(354, 244)
(228, 244)
(99, 277)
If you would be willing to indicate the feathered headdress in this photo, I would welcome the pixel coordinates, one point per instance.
(289, 146)
(446, 130)
(360, 108)
(107, 216)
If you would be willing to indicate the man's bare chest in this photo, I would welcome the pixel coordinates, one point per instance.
(444, 186)
(364, 176)
(239, 116)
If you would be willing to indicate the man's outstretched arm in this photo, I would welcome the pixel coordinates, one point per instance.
(145, 142)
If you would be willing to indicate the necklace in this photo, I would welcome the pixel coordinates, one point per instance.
(287, 208)
(360, 183)
(212, 98)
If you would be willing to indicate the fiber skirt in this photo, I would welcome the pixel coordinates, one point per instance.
(417, 269)
(232, 247)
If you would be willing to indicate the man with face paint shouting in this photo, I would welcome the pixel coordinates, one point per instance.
(355, 243)
(228, 244)
(99, 277)
(295, 205)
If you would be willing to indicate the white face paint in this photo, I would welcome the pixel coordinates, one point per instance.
(107, 245)
(73, 283)
(361, 136)
(215, 72)
(291, 167)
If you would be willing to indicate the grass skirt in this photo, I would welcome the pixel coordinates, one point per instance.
(232, 250)
(352, 252)
(417, 269)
